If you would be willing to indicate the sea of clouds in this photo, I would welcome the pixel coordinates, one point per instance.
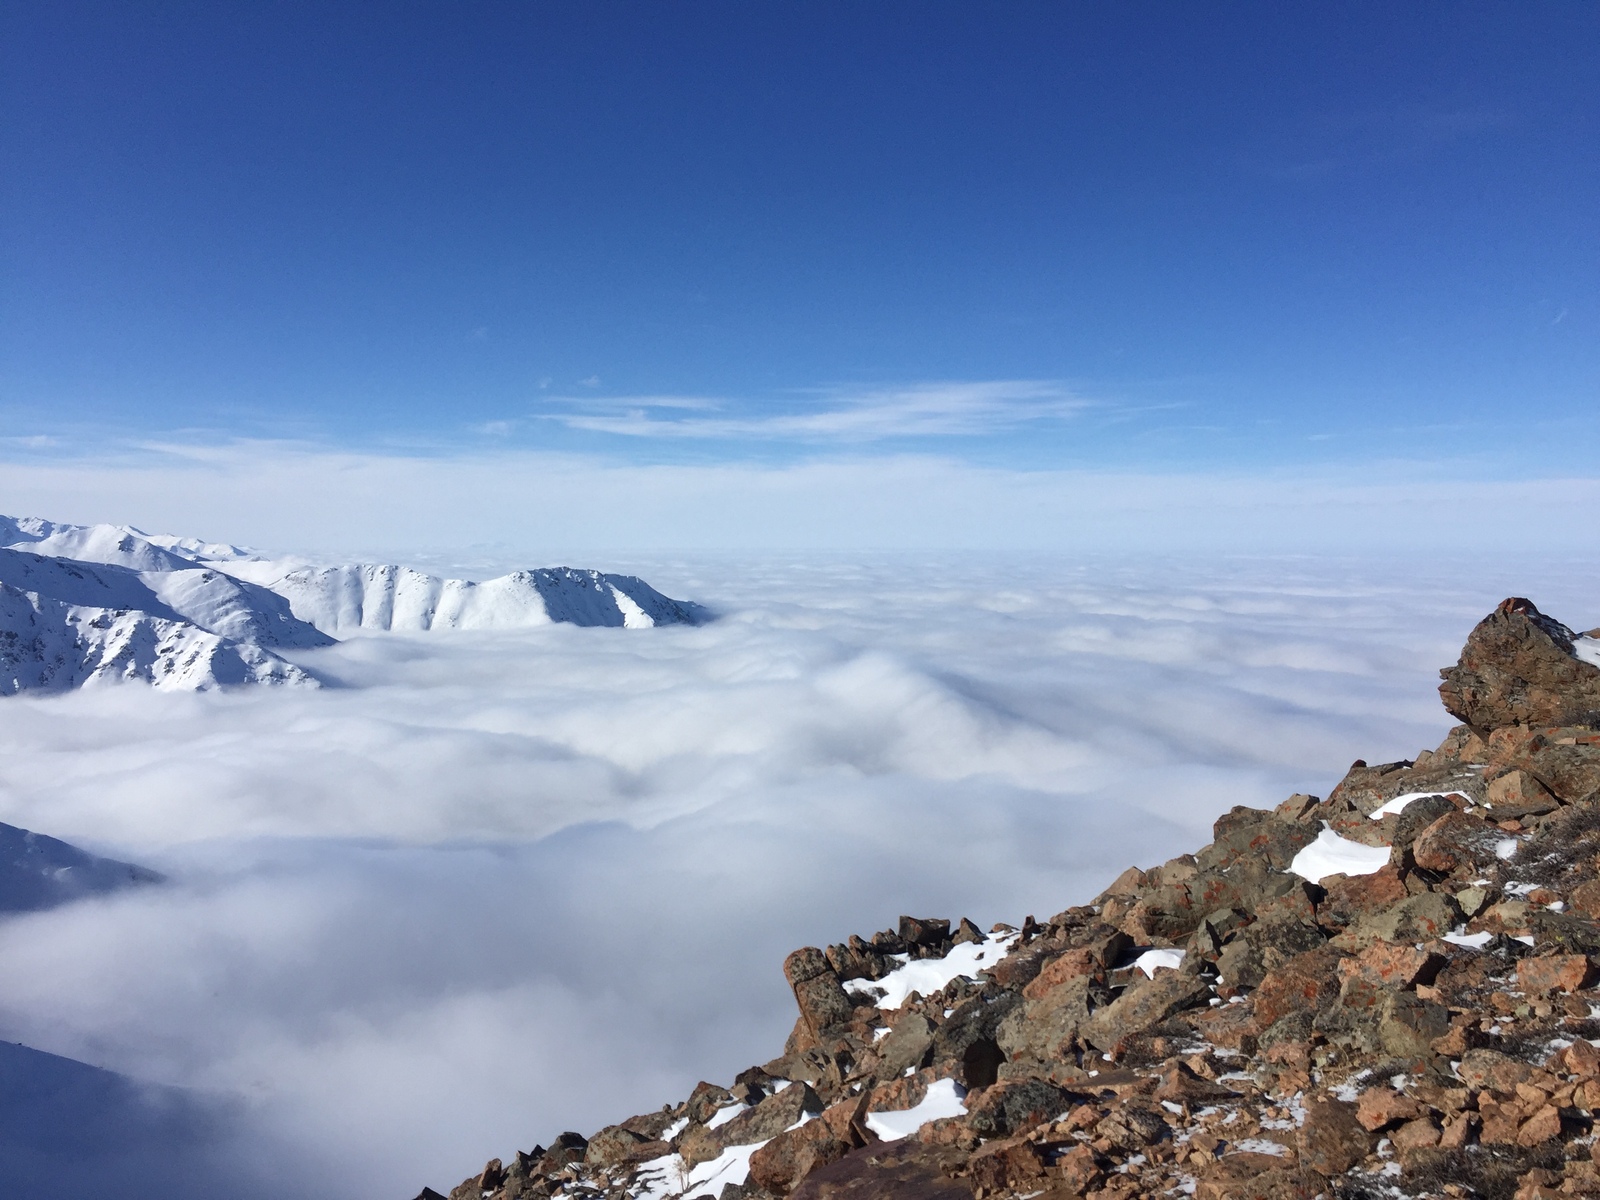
(485, 887)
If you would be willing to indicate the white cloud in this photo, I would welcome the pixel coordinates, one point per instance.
(503, 885)
(304, 497)
(925, 410)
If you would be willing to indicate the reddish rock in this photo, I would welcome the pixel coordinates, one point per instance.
(824, 1004)
(1389, 965)
(1306, 982)
(1071, 965)
(1079, 1169)
(1351, 897)
(1543, 1126)
(1581, 1058)
(1379, 1106)
(1518, 668)
(1490, 1070)
(1555, 973)
(789, 1157)
(1009, 1163)
(1456, 840)
(1249, 1176)
(1413, 1135)
(1519, 794)
(1332, 1140)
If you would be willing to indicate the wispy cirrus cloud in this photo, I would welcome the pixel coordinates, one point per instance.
(928, 410)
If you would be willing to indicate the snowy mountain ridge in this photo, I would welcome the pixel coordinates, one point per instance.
(90, 603)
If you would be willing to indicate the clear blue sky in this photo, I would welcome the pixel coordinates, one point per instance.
(1022, 234)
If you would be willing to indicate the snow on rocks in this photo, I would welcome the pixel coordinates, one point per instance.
(1331, 854)
(1152, 961)
(1400, 803)
(930, 975)
(943, 1099)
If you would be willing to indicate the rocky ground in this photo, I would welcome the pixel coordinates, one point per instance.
(1234, 1024)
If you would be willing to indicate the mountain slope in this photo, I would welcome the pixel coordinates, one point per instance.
(47, 645)
(89, 603)
(1393, 992)
(38, 872)
(370, 596)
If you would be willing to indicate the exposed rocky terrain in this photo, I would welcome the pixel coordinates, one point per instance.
(1389, 992)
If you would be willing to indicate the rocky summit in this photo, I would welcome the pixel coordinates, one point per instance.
(1387, 993)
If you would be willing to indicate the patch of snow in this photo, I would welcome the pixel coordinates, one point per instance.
(943, 1099)
(1399, 803)
(1472, 941)
(1587, 649)
(1153, 960)
(1262, 1146)
(673, 1130)
(725, 1114)
(1525, 938)
(1331, 854)
(926, 976)
(1505, 848)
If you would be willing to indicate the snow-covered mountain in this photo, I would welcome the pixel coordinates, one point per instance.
(370, 596)
(83, 603)
(38, 872)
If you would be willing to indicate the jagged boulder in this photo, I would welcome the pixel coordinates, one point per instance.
(1519, 668)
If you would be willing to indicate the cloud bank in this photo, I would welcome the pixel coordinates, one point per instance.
(498, 885)
(293, 497)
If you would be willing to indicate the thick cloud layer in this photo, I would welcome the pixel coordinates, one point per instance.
(498, 885)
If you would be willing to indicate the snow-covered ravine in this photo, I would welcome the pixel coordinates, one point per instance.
(98, 603)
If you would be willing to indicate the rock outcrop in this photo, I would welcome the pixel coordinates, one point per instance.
(1390, 992)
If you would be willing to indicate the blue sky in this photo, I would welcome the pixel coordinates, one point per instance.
(1032, 236)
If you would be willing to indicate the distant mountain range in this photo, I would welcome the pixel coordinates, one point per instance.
(87, 603)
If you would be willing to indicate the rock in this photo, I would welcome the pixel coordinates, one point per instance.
(924, 931)
(1407, 1026)
(1518, 668)
(612, 1145)
(1396, 966)
(568, 1148)
(1009, 1164)
(1045, 1027)
(1263, 947)
(1331, 1140)
(1490, 1070)
(1555, 973)
(1422, 918)
(1303, 984)
(824, 1004)
(967, 932)
(1381, 1107)
(1064, 967)
(906, 1046)
(780, 1165)
(1571, 770)
(968, 1037)
(1543, 1126)
(704, 1102)
(769, 1118)
(1413, 1135)
(1253, 833)
(1146, 1003)
(1416, 817)
(1348, 898)
(1015, 1106)
(907, 1169)
(1079, 1170)
(1132, 1127)
(1519, 794)
(1248, 1176)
